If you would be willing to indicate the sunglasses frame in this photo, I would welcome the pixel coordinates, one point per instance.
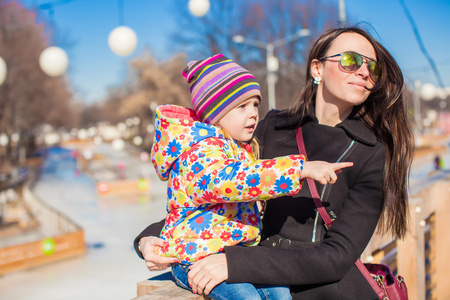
(372, 74)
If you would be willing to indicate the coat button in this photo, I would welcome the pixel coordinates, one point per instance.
(274, 244)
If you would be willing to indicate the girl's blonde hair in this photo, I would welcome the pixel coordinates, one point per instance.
(253, 143)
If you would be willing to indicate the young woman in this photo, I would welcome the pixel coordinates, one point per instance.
(213, 177)
(352, 105)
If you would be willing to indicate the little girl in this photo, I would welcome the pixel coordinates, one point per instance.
(214, 177)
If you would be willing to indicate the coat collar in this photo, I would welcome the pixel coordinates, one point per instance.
(353, 125)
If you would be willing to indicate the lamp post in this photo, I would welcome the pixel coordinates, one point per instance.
(271, 60)
(342, 13)
(122, 40)
(53, 60)
(3, 70)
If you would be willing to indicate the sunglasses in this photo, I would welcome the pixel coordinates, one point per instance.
(351, 61)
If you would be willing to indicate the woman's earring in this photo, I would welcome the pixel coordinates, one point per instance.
(317, 80)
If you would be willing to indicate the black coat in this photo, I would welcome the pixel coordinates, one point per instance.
(324, 268)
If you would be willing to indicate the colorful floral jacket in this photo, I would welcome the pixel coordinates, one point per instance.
(213, 183)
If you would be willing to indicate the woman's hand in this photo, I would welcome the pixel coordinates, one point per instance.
(322, 171)
(153, 261)
(205, 274)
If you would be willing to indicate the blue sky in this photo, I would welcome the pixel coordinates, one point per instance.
(84, 26)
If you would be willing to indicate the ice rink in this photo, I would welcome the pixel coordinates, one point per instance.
(110, 269)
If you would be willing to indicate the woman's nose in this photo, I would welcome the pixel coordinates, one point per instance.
(363, 70)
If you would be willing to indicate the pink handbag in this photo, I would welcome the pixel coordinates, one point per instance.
(379, 276)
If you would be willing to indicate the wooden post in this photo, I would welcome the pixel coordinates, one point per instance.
(411, 253)
(442, 200)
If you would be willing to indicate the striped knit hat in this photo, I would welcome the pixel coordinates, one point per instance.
(218, 85)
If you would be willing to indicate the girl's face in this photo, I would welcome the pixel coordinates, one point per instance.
(343, 88)
(241, 121)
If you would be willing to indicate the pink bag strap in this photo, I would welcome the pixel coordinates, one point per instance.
(378, 290)
(312, 186)
(326, 217)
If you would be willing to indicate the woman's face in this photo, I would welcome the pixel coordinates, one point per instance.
(340, 87)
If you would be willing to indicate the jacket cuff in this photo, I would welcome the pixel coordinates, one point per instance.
(152, 230)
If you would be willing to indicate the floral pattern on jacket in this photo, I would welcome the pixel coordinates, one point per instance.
(213, 183)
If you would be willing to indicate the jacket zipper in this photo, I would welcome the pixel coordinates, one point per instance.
(316, 220)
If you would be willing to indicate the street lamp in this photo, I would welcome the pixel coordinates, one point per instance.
(271, 60)
(198, 8)
(122, 40)
(53, 61)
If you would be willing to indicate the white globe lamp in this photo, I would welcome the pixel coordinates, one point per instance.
(3, 70)
(137, 140)
(118, 144)
(122, 40)
(53, 61)
(428, 92)
(432, 115)
(4, 140)
(198, 8)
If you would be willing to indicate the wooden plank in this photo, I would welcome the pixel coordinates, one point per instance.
(123, 187)
(162, 287)
(29, 255)
(442, 240)
(170, 291)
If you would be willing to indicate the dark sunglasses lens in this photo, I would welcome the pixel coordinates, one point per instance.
(374, 70)
(351, 61)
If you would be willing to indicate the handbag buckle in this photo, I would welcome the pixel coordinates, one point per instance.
(380, 281)
(281, 240)
(332, 217)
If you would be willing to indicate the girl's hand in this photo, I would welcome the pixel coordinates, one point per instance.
(153, 261)
(208, 272)
(322, 171)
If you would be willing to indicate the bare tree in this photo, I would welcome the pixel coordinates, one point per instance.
(265, 21)
(28, 97)
(150, 83)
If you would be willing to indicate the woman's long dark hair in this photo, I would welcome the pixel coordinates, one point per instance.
(385, 113)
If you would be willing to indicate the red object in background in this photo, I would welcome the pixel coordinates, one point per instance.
(103, 187)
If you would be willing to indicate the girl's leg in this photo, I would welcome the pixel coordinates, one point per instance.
(272, 292)
(223, 291)
(179, 273)
(235, 291)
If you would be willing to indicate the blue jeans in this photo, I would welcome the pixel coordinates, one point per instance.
(234, 291)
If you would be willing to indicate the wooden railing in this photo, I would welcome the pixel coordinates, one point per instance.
(422, 257)
(52, 221)
(63, 236)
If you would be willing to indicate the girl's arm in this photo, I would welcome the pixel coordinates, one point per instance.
(227, 179)
(231, 179)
